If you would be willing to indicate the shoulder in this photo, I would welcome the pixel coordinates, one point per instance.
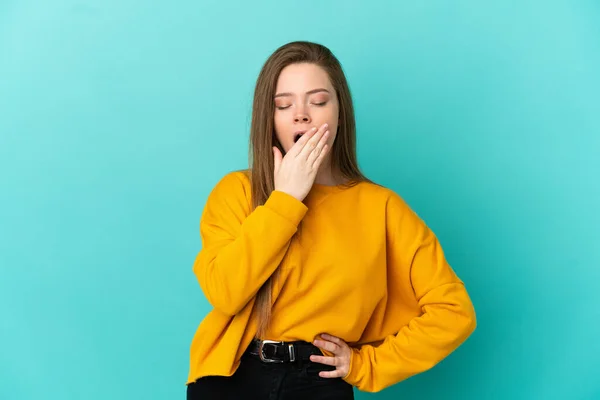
(232, 187)
(387, 202)
(381, 194)
(234, 180)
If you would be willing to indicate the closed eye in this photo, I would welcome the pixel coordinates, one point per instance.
(286, 107)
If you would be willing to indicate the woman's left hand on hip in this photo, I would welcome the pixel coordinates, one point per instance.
(341, 356)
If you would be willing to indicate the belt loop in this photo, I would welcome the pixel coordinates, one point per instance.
(292, 351)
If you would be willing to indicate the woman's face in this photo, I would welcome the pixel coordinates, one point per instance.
(304, 98)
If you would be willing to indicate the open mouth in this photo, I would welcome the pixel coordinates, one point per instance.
(297, 137)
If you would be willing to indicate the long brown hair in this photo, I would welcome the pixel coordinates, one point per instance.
(262, 137)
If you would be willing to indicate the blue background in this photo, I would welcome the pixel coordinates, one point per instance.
(118, 117)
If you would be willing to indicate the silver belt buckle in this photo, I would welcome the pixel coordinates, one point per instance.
(261, 354)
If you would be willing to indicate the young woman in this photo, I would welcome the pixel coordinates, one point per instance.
(320, 280)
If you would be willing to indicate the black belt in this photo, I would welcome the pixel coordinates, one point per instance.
(271, 351)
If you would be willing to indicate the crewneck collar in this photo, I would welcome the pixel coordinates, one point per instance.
(319, 192)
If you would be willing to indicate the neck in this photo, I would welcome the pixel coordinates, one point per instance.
(325, 175)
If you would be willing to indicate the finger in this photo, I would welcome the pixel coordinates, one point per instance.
(312, 142)
(324, 360)
(337, 373)
(321, 156)
(329, 346)
(297, 147)
(332, 338)
(277, 158)
(317, 151)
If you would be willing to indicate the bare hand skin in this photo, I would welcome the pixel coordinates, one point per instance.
(342, 354)
(295, 173)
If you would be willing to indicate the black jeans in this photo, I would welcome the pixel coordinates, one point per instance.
(256, 380)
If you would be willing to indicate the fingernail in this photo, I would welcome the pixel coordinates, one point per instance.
(325, 126)
(313, 129)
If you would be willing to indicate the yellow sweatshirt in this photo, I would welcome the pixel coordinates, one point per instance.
(356, 263)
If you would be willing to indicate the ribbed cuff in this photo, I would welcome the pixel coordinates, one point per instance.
(355, 367)
(287, 206)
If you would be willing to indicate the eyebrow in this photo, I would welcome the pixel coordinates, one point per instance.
(309, 92)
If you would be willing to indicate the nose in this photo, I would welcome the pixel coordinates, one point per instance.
(302, 117)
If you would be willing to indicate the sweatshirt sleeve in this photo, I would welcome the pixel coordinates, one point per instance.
(417, 266)
(242, 248)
